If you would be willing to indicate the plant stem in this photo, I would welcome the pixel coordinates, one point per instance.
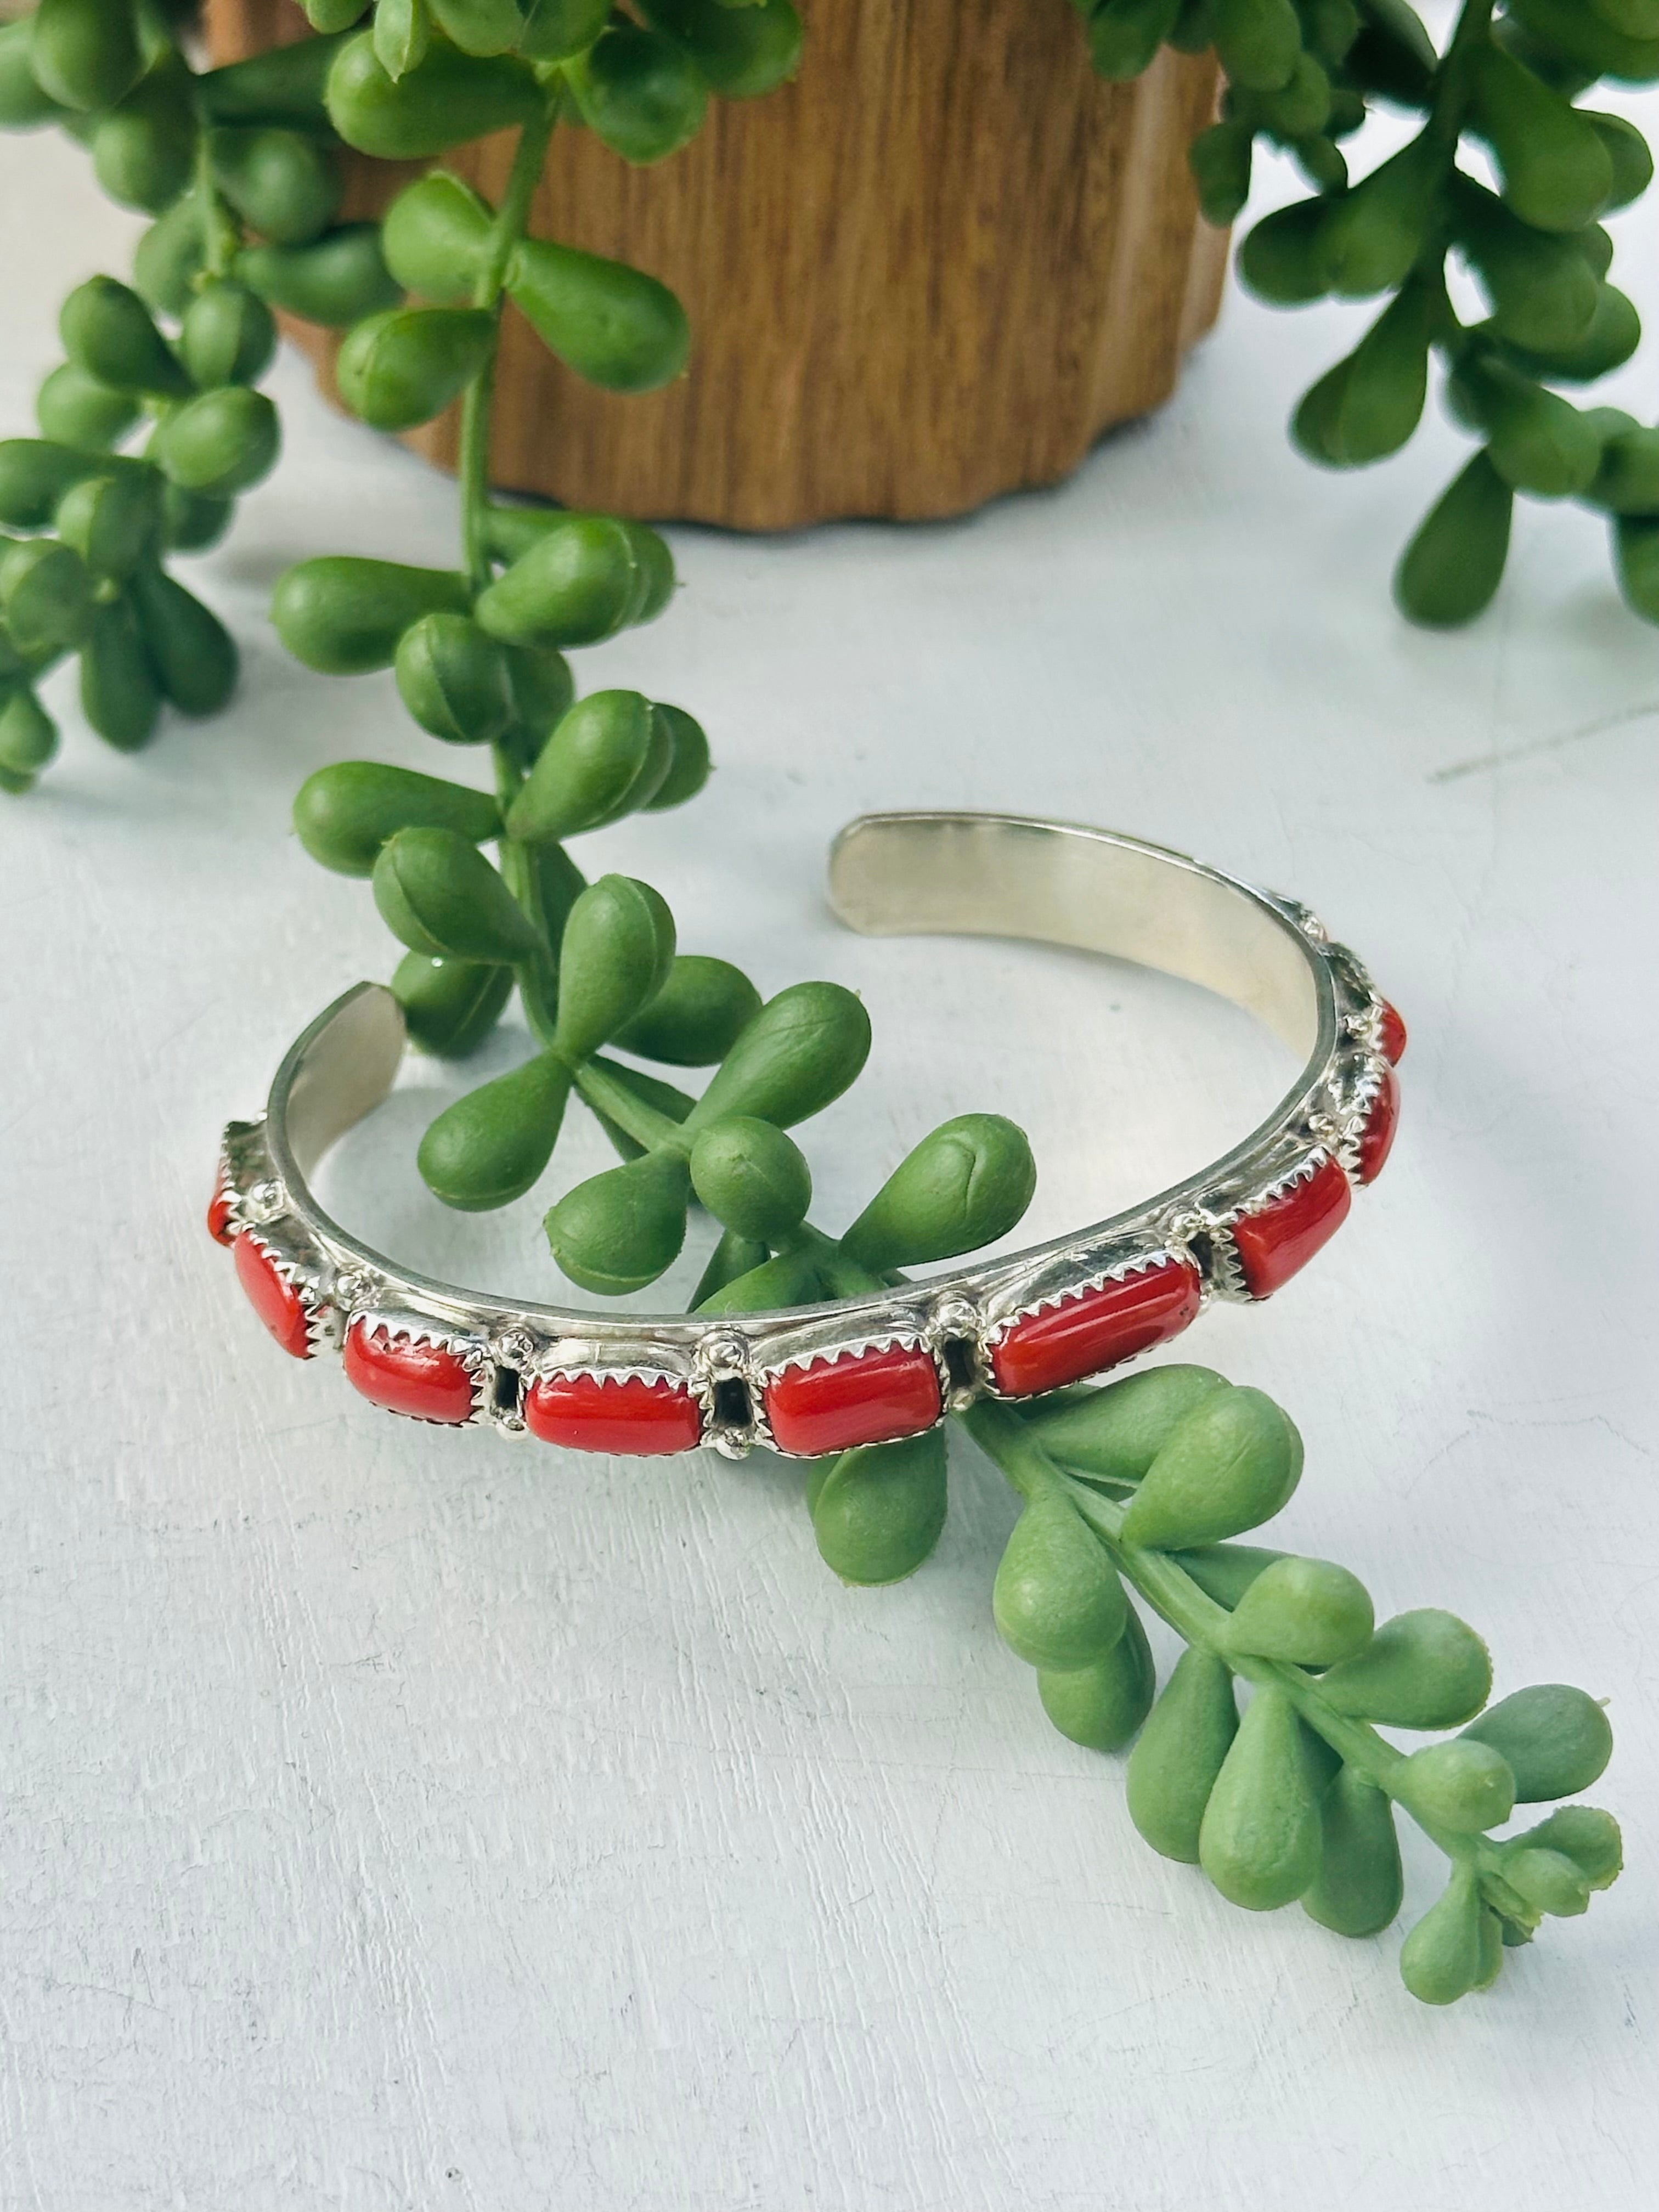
(538, 983)
(601, 1090)
(221, 234)
(538, 978)
(1445, 122)
(1442, 132)
(508, 228)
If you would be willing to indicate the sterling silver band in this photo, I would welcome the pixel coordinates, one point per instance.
(817, 1378)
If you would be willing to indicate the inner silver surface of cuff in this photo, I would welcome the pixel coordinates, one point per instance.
(932, 873)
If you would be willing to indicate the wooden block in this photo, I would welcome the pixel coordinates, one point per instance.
(934, 269)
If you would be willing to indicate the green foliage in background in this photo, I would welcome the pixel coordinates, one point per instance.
(1503, 102)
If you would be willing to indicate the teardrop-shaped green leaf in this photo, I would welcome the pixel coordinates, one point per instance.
(1357, 1889)
(1057, 1600)
(1179, 1753)
(1467, 1787)
(877, 1511)
(965, 1184)
(1555, 1739)
(440, 895)
(1259, 1840)
(1101, 1705)
(1425, 1669)
(1310, 1612)
(1231, 1463)
(618, 1232)
(802, 1050)
(1587, 1836)
(1116, 1432)
(1441, 1959)
(617, 946)
(489, 1147)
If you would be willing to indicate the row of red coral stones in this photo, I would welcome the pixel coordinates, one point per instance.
(1099, 1330)
(1277, 1239)
(857, 1398)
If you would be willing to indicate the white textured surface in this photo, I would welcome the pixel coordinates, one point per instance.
(391, 1818)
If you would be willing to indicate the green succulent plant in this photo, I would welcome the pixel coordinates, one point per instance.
(1305, 76)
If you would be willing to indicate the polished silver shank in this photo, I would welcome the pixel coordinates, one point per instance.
(934, 873)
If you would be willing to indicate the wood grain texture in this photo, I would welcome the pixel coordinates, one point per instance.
(934, 268)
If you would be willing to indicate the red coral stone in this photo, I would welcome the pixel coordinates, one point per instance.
(218, 1218)
(277, 1302)
(624, 1414)
(1376, 1137)
(859, 1398)
(1098, 1329)
(1282, 1236)
(428, 1382)
(1391, 1034)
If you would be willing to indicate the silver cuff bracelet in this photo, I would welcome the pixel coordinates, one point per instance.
(816, 1379)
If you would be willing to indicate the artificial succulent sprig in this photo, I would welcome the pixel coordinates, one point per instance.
(1303, 75)
(239, 169)
(1142, 1482)
(1146, 1482)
